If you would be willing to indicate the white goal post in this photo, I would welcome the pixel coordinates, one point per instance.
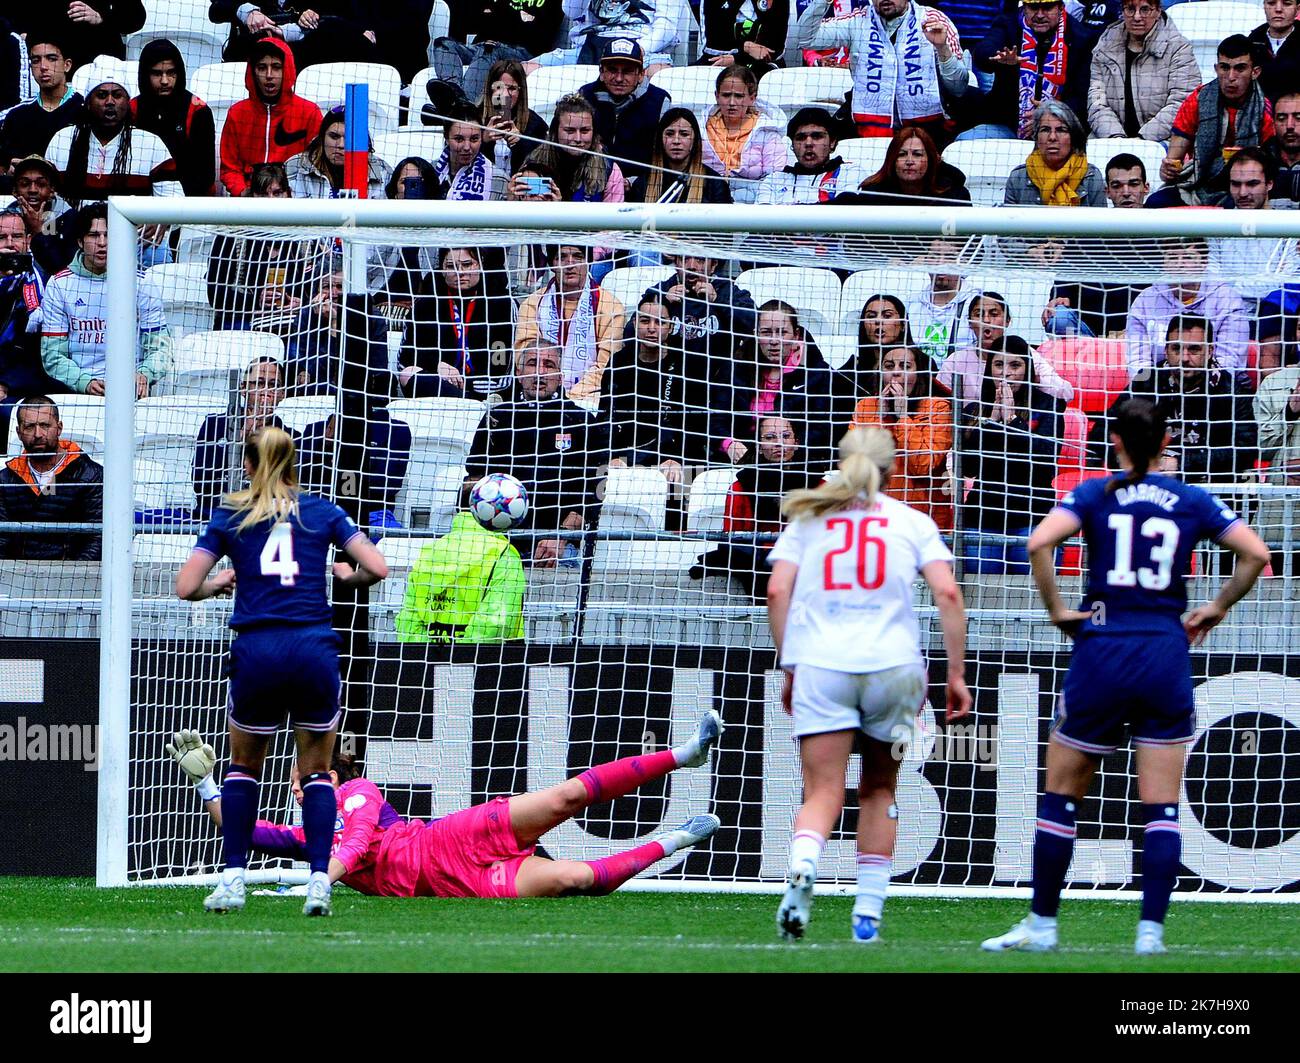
(967, 797)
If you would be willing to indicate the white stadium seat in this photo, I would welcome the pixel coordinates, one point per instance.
(837, 350)
(185, 23)
(800, 86)
(815, 293)
(83, 422)
(399, 144)
(867, 153)
(194, 244)
(301, 410)
(635, 499)
(210, 364)
(166, 429)
(430, 494)
(630, 282)
(326, 86)
(1150, 152)
(156, 488)
(861, 286)
(183, 289)
(1026, 294)
(708, 499)
(987, 164)
(689, 86)
(419, 94)
(547, 84)
(439, 426)
(1208, 22)
(219, 81)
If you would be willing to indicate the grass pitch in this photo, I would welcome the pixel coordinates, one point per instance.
(68, 925)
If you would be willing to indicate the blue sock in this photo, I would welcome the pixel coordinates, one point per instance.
(1053, 847)
(1162, 847)
(238, 814)
(319, 808)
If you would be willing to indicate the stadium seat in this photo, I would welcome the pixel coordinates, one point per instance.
(194, 244)
(689, 86)
(430, 494)
(441, 433)
(861, 286)
(439, 23)
(1096, 367)
(418, 95)
(1026, 294)
(795, 87)
(708, 500)
(326, 86)
(440, 426)
(83, 422)
(1151, 152)
(210, 364)
(183, 289)
(629, 283)
(1207, 22)
(219, 81)
(837, 350)
(185, 23)
(815, 293)
(867, 153)
(301, 410)
(987, 164)
(1074, 439)
(399, 144)
(156, 489)
(126, 74)
(635, 500)
(548, 83)
(6, 202)
(166, 429)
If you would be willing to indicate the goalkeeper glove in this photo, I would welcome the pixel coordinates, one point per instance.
(196, 759)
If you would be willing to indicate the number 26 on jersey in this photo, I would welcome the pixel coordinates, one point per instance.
(868, 550)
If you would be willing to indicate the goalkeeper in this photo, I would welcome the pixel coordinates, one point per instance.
(483, 851)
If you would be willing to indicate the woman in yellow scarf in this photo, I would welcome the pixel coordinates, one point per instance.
(1057, 172)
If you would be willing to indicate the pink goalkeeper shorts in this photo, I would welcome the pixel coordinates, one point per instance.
(473, 853)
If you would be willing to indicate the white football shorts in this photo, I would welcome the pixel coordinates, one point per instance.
(882, 705)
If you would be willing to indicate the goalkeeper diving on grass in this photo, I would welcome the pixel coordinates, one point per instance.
(487, 850)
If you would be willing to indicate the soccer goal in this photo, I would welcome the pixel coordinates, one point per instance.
(658, 376)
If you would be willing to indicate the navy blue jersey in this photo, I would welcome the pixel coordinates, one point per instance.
(1140, 541)
(280, 568)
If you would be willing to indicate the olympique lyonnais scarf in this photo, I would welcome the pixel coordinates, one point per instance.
(472, 182)
(577, 336)
(1052, 75)
(888, 81)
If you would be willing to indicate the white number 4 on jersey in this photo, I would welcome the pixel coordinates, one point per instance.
(277, 554)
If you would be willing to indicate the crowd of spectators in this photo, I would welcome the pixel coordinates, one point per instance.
(693, 370)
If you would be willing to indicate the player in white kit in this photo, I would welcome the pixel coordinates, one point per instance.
(840, 605)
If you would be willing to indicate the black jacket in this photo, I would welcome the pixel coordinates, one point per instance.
(889, 193)
(725, 30)
(29, 128)
(1013, 465)
(1281, 73)
(76, 496)
(181, 121)
(711, 328)
(21, 371)
(656, 411)
(627, 129)
(478, 329)
(715, 189)
(1002, 104)
(81, 41)
(502, 21)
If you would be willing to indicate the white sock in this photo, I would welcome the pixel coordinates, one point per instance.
(1150, 926)
(232, 874)
(806, 847)
(1042, 922)
(873, 881)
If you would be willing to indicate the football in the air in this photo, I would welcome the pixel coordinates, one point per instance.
(498, 501)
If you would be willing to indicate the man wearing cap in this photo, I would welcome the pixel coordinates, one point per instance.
(818, 174)
(891, 88)
(594, 23)
(103, 154)
(28, 128)
(627, 106)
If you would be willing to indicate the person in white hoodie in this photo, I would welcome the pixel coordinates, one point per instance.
(743, 139)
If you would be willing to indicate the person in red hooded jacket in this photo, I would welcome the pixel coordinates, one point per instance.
(273, 123)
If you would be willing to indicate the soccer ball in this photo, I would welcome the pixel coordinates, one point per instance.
(498, 501)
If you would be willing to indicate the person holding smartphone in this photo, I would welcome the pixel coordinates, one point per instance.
(509, 123)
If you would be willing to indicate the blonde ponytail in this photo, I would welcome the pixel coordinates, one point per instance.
(273, 493)
(866, 458)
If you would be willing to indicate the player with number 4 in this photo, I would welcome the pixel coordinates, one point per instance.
(285, 653)
(1131, 666)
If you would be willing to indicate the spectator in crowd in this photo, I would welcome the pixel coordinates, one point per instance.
(626, 105)
(1228, 112)
(1277, 417)
(677, 172)
(510, 125)
(465, 587)
(219, 448)
(818, 175)
(912, 174)
(1009, 447)
(87, 28)
(786, 371)
(317, 173)
(891, 88)
(1284, 149)
(52, 481)
(503, 31)
(410, 269)
(274, 123)
(1208, 408)
(21, 287)
(1037, 54)
(576, 155)
(1127, 186)
(465, 328)
(550, 444)
(882, 326)
(464, 170)
(937, 317)
(104, 155)
(1253, 266)
(74, 317)
(905, 402)
(526, 264)
(47, 218)
(1057, 172)
(314, 350)
(655, 397)
(1278, 48)
(743, 139)
(181, 120)
(576, 317)
(710, 313)
(28, 128)
(329, 31)
(384, 459)
(257, 282)
(594, 25)
(1186, 293)
(989, 318)
(1143, 69)
(745, 33)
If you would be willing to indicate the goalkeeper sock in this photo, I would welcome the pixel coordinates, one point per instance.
(1162, 847)
(873, 881)
(238, 814)
(806, 846)
(605, 782)
(1053, 848)
(612, 871)
(319, 808)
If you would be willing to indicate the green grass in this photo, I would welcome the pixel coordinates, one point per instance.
(68, 925)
